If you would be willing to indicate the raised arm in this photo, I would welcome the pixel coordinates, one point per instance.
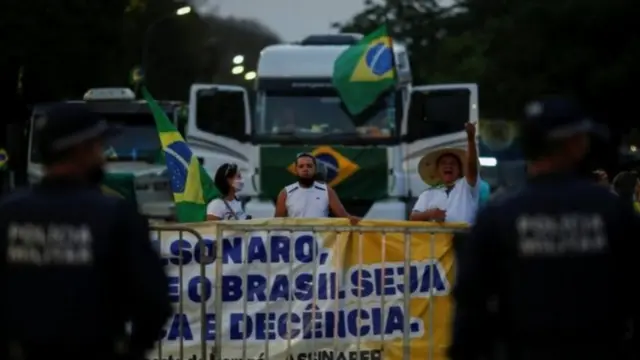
(281, 204)
(471, 167)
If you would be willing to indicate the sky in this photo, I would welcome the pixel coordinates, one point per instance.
(291, 19)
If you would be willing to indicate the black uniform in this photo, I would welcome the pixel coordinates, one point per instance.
(551, 268)
(75, 267)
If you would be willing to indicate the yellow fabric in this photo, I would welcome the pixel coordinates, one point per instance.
(372, 261)
(345, 167)
(362, 71)
(193, 192)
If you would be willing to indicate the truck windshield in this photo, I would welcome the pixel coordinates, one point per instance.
(319, 113)
(137, 141)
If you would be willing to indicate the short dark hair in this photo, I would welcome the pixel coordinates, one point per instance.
(224, 172)
(307, 155)
(534, 144)
(536, 150)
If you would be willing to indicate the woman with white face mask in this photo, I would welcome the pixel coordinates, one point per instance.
(229, 181)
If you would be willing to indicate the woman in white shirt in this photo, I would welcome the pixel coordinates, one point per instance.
(454, 190)
(229, 181)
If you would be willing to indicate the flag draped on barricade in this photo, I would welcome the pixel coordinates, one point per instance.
(305, 289)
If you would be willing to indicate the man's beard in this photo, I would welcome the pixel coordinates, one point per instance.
(306, 181)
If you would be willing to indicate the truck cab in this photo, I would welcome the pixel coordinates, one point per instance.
(370, 159)
(135, 168)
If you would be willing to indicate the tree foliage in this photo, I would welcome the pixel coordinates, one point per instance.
(518, 49)
(59, 49)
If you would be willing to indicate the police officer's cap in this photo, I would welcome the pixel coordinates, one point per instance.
(67, 125)
(556, 118)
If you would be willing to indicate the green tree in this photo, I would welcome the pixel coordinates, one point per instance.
(54, 50)
(517, 49)
(192, 48)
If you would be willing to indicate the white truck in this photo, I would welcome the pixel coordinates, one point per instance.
(371, 159)
(134, 167)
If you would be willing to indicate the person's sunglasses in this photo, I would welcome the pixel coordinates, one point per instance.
(231, 168)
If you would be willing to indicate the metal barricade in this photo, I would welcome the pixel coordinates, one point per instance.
(224, 229)
(156, 232)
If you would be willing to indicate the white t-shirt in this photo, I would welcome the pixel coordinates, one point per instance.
(311, 202)
(461, 204)
(218, 209)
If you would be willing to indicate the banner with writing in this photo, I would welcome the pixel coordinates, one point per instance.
(308, 295)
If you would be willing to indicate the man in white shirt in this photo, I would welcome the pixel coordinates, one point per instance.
(452, 175)
(308, 198)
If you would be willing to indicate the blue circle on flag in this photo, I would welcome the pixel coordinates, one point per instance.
(331, 164)
(379, 59)
(178, 160)
(4, 157)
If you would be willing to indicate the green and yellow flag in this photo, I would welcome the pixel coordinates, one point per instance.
(4, 158)
(120, 185)
(191, 185)
(365, 71)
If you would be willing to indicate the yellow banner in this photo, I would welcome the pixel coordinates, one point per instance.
(311, 295)
(431, 277)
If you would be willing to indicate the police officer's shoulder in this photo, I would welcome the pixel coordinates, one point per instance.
(594, 191)
(81, 196)
(504, 197)
(127, 217)
(96, 197)
(126, 209)
(15, 197)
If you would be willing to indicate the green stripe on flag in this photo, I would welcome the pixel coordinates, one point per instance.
(192, 187)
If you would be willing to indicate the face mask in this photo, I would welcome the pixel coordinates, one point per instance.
(306, 182)
(95, 175)
(238, 185)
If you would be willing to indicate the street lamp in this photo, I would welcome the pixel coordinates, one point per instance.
(238, 59)
(183, 10)
(250, 75)
(237, 70)
(147, 35)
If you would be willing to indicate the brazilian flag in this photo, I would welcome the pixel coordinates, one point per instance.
(365, 71)
(119, 185)
(191, 185)
(4, 158)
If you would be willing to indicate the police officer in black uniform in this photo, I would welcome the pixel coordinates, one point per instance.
(76, 266)
(552, 265)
